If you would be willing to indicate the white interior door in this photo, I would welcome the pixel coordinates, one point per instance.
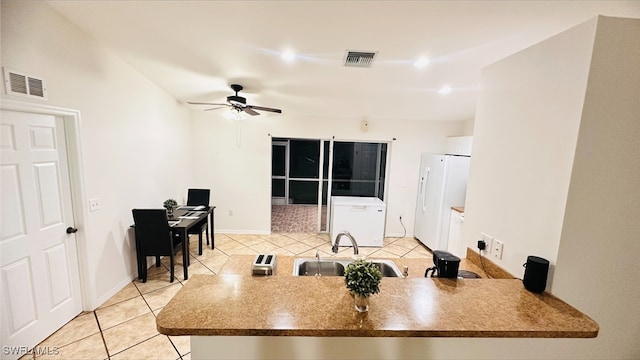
(39, 274)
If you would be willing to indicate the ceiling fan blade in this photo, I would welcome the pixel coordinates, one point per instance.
(250, 111)
(215, 108)
(206, 103)
(264, 108)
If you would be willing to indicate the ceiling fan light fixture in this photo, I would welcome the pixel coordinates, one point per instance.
(234, 114)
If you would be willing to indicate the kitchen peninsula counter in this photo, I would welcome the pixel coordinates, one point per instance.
(234, 303)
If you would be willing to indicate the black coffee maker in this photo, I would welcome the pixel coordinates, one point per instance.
(446, 265)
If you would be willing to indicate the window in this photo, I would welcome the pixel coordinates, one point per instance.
(359, 169)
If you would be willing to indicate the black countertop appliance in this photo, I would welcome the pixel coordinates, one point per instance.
(446, 265)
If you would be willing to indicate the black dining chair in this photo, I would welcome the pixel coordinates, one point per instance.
(199, 197)
(154, 238)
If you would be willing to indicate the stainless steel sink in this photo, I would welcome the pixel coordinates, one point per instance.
(335, 267)
(387, 268)
(310, 267)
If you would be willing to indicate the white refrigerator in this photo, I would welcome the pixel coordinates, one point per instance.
(442, 184)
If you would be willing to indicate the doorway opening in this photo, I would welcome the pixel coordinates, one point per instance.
(307, 172)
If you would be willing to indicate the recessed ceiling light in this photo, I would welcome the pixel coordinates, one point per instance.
(288, 55)
(444, 90)
(422, 62)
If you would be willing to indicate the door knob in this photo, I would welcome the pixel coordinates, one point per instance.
(72, 230)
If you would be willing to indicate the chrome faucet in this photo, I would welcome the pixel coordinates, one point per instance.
(336, 243)
(318, 263)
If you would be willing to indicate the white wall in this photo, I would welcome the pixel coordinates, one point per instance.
(524, 140)
(237, 168)
(467, 129)
(134, 135)
(555, 174)
(601, 228)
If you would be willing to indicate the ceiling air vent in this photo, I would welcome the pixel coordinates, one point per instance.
(362, 59)
(17, 83)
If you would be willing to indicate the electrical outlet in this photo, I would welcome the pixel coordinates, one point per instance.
(230, 212)
(497, 248)
(488, 240)
(94, 204)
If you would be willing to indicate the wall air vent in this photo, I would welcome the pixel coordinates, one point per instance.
(363, 59)
(17, 83)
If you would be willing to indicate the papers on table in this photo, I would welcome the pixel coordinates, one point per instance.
(192, 214)
(173, 223)
(200, 207)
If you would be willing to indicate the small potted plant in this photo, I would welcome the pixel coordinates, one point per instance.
(170, 205)
(363, 280)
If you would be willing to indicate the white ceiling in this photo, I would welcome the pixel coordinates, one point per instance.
(195, 49)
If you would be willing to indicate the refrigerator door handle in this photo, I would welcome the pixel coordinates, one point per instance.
(427, 170)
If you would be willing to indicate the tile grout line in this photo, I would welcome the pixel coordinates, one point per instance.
(136, 344)
(78, 339)
(175, 347)
(104, 341)
(155, 317)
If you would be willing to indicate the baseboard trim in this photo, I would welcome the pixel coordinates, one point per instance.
(114, 290)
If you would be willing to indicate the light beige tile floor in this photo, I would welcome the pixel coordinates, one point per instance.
(124, 327)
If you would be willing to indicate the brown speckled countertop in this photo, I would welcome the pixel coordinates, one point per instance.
(238, 304)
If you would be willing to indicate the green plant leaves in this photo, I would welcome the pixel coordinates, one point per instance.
(170, 204)
(363, 278)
